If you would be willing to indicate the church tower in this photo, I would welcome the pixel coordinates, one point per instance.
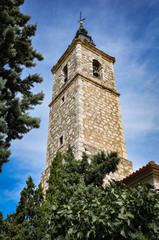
(85, 108)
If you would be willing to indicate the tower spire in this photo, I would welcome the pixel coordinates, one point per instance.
(82, 32)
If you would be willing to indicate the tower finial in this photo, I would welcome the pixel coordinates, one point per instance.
(81, 20)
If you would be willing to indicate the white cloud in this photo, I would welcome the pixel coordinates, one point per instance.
(20, 179)
(13, 194)
(141, 114)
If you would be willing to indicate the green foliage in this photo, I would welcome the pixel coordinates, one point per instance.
(1, 221)
(24, 222)
(84, 209)
(74, 171)
(54, 178)
(16, 97)
(78, 206)
(101, 164)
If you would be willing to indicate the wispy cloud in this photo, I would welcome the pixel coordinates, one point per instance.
(141, 114)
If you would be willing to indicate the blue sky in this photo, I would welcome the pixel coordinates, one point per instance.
(125, 29)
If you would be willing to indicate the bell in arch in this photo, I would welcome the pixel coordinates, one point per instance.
(95, 71)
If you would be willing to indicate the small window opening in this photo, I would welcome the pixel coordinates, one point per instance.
(65, 71)
(63, 99)
(96, 67)
(61, 141)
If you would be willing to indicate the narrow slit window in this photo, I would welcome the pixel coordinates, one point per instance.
(65, 71)
(61, 141)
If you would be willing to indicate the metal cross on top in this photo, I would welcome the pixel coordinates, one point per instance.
(80, 19)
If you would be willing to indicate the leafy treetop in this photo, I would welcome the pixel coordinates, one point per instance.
(80, 207)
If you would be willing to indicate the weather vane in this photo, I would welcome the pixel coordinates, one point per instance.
(80, 19)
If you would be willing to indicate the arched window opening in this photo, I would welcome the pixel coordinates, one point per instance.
(65, 71)
(96, 68)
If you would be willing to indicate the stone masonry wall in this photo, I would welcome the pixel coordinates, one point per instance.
(58, 82)
(102, 126)
(106, 68)
(86, 110)
(102, 119)
(62, 122)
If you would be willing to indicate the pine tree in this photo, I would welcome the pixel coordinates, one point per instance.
(3, 234)
(52, 194)
(1, 221)
(24, 222)
(54, 178)
(16, 97)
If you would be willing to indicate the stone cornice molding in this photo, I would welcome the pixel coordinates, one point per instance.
(86, 45)
(85, 79)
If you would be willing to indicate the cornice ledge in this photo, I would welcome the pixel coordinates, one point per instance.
(98, 84)
(71, 48)
(85, 79)
(96, 50)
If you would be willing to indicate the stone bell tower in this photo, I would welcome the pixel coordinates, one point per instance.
(85, 108)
